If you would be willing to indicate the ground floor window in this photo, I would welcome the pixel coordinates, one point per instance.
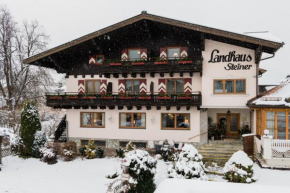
(278, 124)
(92, 119)
(133, 120)
(137, 144)
(98, 143)
(175, 121)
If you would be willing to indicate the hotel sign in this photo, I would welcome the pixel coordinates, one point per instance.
(231, 58)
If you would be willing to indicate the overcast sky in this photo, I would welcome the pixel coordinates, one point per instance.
(65, 20)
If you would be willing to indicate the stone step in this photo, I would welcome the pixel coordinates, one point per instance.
(218, 149)
(216, 152)
(214, 156)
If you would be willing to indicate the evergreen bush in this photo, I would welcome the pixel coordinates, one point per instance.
(30, 123)
(90, 151)
(141, 168)
(69, 150)
(82, 151)
(130, 146)
(188, 165)
(100, 152)
(120, 152)
(39, 141)
(239, 168)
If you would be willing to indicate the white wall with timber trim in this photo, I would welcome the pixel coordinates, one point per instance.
(153, 129)
(212, 71)
(72, 82)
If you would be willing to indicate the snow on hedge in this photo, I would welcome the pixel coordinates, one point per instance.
(239, 168)
(14, 139)
(188, 165)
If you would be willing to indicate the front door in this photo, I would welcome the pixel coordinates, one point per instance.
(232, 122)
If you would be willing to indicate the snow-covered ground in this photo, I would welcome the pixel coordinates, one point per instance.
(32, 176)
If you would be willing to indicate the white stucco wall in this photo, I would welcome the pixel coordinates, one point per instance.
(213, 71)
(152, 132)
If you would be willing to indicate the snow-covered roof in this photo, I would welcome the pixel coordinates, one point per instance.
(277, 96)
(265, 35)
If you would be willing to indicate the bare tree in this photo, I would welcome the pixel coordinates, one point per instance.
(20, 82)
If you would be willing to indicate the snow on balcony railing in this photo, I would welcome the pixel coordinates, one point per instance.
(280, 148)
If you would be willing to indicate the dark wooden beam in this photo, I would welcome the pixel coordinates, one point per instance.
(120, 107)
(111, 107)
(171, 74)
(177, 108)
(188, 108)
(129, 107)
(158, 107)
(107, 75)
(202, 42)
(191, 74)
(94, 107)
(75, 76)
(67, 75)
(102, 107)
(133, 75)
(124, 75)
(92, 75)
(148, 107)
(258, 54)
(152, 74)
(77, 107)
(167, 108)
(198, 108)
(142, 75)
(83, 75)
(85, 107)
(116, 75)
(161, 74)
(139, 107)
(181, 74)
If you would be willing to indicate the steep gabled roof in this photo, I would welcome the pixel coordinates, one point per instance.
(275, 45)
(279, 96)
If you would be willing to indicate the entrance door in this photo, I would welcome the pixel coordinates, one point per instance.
(232, 123)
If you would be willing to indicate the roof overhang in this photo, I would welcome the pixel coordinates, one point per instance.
(144, 15)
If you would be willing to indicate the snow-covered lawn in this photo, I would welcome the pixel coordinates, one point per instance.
(32, 176)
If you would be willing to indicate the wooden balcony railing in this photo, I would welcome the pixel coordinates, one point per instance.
(93, 100)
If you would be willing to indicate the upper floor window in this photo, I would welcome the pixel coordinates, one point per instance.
(132, 86)
(134, 54)
(93, 86)
(175, 86)
(229, 86)
(173, 52)
(100, 59)
(90, 119)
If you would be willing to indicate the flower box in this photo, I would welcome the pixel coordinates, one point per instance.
(187, 98)
(160, 62)
(138, 63)
(125, 97)
(115, 64)
(89, 97)
(185, 62)
(164, 97)
(144, 97)
(72, 97)
(107, 97)
(55, 97)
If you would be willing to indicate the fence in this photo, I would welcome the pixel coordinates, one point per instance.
(6, 151)
(280, 148)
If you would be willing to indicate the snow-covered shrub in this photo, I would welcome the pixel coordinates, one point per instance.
(119, 186)
(130, 146)
(39, 141)
(100, 152)
(82, 151)
(48, 155)
(165, 151)
(30, 123)
(69, 150)
(90, 150)
(120, 152)
(188, 165)
(141, 168)
(239, 168)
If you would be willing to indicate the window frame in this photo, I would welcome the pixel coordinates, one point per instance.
(102, 57)
(175, 79)
(93, 86)
(224, 86)
(132, 121)
(132, 85)
(92, 125)
(172, 47)
(275, 111)
(175, 122)
(133, 59)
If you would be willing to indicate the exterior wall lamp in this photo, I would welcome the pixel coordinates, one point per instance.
(152, 119)
(110, 118)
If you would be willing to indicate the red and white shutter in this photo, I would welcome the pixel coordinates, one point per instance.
(187, 85)
(125, 56)
(103, 87)
(92, 60)
(161, 86)
(121, 86)
(163, 53)
(143, 52)
(81, 86)
(184, 52)
(143, 86)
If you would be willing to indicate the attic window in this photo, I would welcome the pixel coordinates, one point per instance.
(100, 59)
(271, 99)
(173, 53)
(134, 54)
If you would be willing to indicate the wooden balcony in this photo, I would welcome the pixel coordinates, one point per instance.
(77, 101)
(152, 65)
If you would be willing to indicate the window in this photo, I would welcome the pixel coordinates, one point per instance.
(173, 53)
(93, 86)
(289, 125)
(134, 54)
(89, 119)
(137, 144)
(270, 123)
(133, 120)
(176, 121)
(229, 87)
(100, 59)
(132, 86)
(98, 143)
(281, 125)
(175, 86)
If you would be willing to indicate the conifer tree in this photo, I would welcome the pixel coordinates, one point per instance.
(30, 123)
